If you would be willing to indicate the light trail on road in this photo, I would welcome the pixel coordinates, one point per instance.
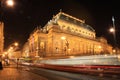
(63, 75)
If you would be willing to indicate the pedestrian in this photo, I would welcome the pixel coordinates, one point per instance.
(17, 62)
(6, 62)
(1, 67)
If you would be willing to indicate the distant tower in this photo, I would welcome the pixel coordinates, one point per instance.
(1, 38)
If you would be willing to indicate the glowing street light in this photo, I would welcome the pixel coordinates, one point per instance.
(16, 44)
(10, 2)
(67, 43)
(112, 30)
(63, 38)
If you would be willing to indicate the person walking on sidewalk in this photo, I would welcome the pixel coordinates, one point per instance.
(17, 62)
(1, 67)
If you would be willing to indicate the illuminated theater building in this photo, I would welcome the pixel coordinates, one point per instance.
(65, 35)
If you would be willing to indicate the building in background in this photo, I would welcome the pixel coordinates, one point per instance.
(25, 50)
(1, 38)
(15, 54)
(65, 35)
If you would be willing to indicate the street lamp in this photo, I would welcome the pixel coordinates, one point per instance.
(16, 44)
(66, 43)
(9, 3)
(113, 30)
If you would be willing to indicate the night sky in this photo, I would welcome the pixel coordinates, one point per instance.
(26, 15)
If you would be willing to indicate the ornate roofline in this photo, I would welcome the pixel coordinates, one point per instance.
(76, 19)
(82, 21)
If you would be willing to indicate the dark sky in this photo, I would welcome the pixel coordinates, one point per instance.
(22, 19)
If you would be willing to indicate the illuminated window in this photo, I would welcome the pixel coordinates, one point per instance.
(42, 45)
(68, 28)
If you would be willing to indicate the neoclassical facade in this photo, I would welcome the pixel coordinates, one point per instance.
(65, 35)
(1, 37)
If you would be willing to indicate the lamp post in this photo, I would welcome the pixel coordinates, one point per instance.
(66, 43)
(9, 3)
(113, 30)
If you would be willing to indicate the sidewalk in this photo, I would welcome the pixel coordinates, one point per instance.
(12, 73)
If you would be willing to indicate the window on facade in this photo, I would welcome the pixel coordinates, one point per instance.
(63, 26)
(76, 29)
(32, 47)
(42, 45)
(91, 34)
(72, 29)
(36, 45)
(68, 28)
